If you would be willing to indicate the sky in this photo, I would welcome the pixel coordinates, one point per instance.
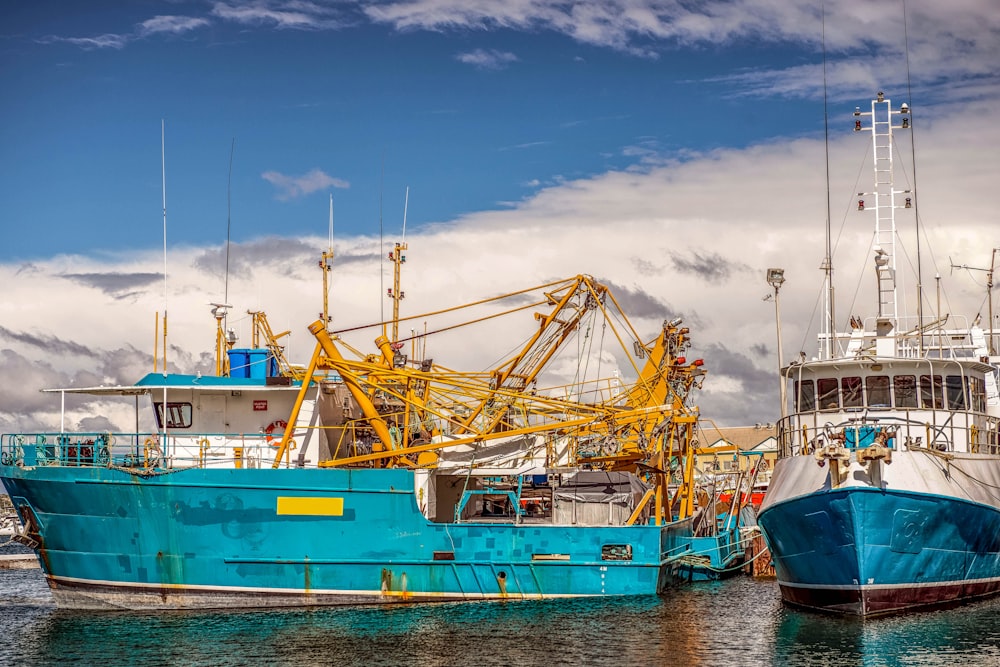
(672, 150)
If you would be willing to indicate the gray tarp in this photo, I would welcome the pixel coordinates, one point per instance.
(597, 498)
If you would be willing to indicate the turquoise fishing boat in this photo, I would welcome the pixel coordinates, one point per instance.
(370, 477)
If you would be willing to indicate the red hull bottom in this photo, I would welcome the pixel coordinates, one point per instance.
(874, 601)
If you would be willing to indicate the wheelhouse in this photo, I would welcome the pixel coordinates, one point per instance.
(940, 403)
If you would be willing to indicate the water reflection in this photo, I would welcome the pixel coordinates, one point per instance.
(737, 622)
(967, 635)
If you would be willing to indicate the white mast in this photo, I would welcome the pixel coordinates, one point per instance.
(884, 205)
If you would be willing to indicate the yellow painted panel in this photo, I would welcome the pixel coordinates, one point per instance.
(310, 506)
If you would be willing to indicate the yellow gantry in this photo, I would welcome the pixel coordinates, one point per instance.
(414, 409)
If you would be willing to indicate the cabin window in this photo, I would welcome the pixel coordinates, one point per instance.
(805, 395)
(931, 394)
(956, 392)
(851, 388)
(977, 394)
(905, 388)
(877, 387)
(178, 415)
(828, 393)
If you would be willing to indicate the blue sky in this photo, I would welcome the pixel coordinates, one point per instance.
(467, 119)
(673, 149)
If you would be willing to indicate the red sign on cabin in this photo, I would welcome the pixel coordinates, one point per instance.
(259, 406)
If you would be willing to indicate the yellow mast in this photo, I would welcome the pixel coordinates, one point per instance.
(156, 342)
(326, 264)
(398, 259)
(222, 342)
(396, 294)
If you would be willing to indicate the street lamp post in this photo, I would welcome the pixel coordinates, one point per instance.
(775, 278)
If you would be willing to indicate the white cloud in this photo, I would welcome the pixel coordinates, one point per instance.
(864, 39)
(297, 14)
(484, 59)
(171, 24)
(106, 41)
(292, 187)
(691, 237)
(174, 25)
(853, 29)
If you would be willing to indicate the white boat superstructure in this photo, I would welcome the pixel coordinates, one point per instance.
(886, 492)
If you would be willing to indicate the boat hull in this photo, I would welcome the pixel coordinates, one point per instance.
(224, 538)
(867, 551)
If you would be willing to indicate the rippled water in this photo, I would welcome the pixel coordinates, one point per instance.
(737, 622)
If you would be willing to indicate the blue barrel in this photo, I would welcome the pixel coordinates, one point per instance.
(239, 363)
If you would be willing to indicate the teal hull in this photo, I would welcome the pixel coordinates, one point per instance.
(203, 538)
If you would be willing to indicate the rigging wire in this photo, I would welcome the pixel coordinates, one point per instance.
(916, 198)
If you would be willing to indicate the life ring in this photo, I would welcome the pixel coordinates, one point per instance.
(277, 425)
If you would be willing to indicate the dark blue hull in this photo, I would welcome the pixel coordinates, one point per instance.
(864, 551)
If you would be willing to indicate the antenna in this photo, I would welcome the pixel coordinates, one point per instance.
(916, 215)
(406, 204)
(381, 247)
(324, 264)
(989, 291)
(830, 322)
(163, 176)
(229, 220)
(163, 179)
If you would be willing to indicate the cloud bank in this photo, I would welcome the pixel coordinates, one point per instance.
(688, 239)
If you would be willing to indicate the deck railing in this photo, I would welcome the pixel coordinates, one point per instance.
(941, 430)
(136, 450)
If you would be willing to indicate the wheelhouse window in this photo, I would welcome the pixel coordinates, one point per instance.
(977, 394)
(955, 391)
(851, 387)
(828, 389)
(931, 392)
(905, 390)
(178, 415)
(805, 396)
(877, 391)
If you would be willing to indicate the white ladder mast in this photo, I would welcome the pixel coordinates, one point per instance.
(882, 117)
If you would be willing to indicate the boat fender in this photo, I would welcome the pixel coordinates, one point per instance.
(278, 425)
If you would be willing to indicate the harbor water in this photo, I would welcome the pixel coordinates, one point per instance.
(740, 621)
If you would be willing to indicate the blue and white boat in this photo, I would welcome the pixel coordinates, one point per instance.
(376, 477)
(886, 493)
